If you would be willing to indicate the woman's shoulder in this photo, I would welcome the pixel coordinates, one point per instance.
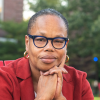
(79, 82)
(9, 70)
(14, 67)
(11, 67)
(75, 74)
(9, 83)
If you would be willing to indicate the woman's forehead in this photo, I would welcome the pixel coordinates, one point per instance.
(49, 24)
(50, 20)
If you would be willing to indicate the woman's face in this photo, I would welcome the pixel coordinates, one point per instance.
(45, 58)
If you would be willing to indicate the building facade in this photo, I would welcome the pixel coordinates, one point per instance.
(11, 10)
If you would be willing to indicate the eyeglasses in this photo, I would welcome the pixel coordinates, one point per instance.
(41, 41)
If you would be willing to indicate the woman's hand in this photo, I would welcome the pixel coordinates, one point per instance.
(46, 87)
(58, 70)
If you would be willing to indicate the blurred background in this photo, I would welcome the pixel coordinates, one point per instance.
(84, 32)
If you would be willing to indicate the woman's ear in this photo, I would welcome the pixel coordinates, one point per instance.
(67, 43)
(26, 42)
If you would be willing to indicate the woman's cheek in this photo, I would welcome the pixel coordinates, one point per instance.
(62, 54)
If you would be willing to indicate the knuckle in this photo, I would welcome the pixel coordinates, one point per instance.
(59, 71)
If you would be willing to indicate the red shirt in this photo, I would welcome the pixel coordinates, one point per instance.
(16, 83)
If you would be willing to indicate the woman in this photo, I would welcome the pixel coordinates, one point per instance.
(42, 74)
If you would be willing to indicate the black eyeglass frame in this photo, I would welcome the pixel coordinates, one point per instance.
(34, 36)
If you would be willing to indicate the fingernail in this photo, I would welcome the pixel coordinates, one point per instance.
(41, 73)
(46, 73)
(66, 71)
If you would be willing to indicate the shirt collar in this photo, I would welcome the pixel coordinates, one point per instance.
(23, 70)
(67, 77)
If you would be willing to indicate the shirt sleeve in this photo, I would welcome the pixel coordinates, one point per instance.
(87, 93)
(6, 86)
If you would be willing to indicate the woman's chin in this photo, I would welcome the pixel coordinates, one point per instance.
(46, 67)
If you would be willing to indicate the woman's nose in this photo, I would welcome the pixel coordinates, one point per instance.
(49, 46)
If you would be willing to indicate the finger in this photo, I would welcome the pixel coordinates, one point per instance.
(46, 73)
(41, 73)
(64, 71)
(53, 70)
(63, 61)
(58, 72)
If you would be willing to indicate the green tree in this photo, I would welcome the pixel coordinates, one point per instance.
(11, 50)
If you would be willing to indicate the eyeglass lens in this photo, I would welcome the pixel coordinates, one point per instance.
(42, 41)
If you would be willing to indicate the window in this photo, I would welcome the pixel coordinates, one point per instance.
(1, 9)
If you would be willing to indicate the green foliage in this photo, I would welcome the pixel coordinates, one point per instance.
(96, 98)
(17, 31)
(9, 51)
(42, 4)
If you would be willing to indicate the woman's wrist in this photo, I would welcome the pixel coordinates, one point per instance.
(40, 99)
(61, 98)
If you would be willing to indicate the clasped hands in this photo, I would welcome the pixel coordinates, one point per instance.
(50, 84)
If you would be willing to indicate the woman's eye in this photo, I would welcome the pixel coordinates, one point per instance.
(40, 39)
(59, 41)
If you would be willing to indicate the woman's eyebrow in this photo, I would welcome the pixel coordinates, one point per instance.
(60, 35)
(41, 33)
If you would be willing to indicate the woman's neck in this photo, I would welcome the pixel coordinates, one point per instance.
(35, 76)
(35, 73)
